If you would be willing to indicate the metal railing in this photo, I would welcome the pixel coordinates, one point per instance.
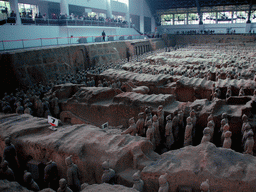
(42, 42)
(68, 22)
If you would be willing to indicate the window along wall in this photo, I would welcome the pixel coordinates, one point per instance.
(221, 17)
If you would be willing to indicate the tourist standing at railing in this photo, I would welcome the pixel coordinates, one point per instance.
(103, 35)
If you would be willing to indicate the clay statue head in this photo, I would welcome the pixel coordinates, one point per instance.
(206, 131)
(154, 118)
(223, 122)
(169, 117)
(136, 176)
(160, 107)
(228, 134)
(63, 183)
(247, 127)
(149, 123)
(224, 116)
(250, 134)
(162, 180)
(210, 118)
(210, 124)
(68, 160)
(226, 127)
(192, 113)
(5, 165)
(205, 186)
(131, 121)
(141, 115)
(189, 120)
(7, 141)
(27, 177)
(105, 165)
(244, 117)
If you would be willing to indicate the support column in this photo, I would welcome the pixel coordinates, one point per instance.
(216, 17)
(127, 16)
(142, 23)
(232, 19)
(187, 19)
(249, 13)
(15, 8)
(64, 9)
(141, 16)
(153, 24)
(109, 8)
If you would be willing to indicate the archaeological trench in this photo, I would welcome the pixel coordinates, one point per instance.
(177, 72)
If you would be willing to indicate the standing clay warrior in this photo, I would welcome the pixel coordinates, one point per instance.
(207, 135)
(29, 182)
(150, 133)
(218, 92)
(246, 131)
(108, 173)
(156, 130)
(180, 117)
(245, 121)
(224, 130)
(148, 115)
(160, 115)
(131, 129)
(51, 175)
(163, 183)
(138, 183)
(229, 92)
(73, 176)
(205, 186)
(10, 155)
(241, 92)
(55, 105)
(227, 140)
(175, 126)
(193, 120)
(63, 186)
(188, 132)
(249, 144)
(140, 124)
(225, 116)
(7, 172)
(168, 132)
(211, 126)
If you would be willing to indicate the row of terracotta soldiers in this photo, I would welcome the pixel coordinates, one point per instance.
(155, 129)
(216, 92)
(138, 184)
(246, 131)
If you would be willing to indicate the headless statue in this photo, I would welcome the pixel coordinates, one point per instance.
(138, 183)
(163, 183)
(108, 173)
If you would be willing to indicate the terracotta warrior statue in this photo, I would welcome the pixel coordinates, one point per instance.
(7, 172)
(156, 130)
(207, 135)
(73, 177)
(63, 186)
(227, 140)
(150, 135)
(188, 132)
(168, 132)
(246, 131)
(163, 183)
(138, 183)
(245, 121)
(205, 186)
(108, 173)
(249, 144)
(140, 124)
(131, 129)
(160, 115)
(51, 175)
(224, 130)
(29, 182)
